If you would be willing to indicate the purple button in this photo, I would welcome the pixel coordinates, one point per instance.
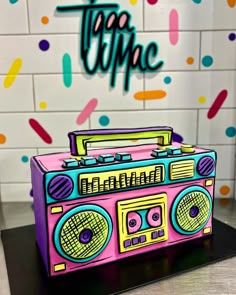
(161, 233)
(154, 235)
(135, 241)
(142, 239)
(127, 243)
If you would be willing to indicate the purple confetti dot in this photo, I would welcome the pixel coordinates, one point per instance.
(44, 45)
(177, 138)
(232, 37)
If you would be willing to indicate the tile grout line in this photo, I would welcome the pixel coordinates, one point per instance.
(28, 17)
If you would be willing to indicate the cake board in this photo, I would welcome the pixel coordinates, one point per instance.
(27, 275)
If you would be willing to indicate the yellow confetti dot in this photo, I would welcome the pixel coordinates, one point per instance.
(133, 2)
(202, 99)
(3, 139)
(43, 105)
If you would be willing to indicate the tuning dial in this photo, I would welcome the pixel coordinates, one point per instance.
(187, 148)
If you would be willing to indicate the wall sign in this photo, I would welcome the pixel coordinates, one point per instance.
(111, 30)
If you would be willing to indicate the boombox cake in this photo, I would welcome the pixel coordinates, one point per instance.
(94, 207)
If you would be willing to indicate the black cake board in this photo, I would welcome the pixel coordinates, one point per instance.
(27, 276)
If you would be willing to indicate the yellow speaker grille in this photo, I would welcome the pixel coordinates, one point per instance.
(84, 234)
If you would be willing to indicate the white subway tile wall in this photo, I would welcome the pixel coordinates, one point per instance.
(196, 41)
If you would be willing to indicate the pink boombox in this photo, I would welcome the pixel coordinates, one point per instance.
(97, 207)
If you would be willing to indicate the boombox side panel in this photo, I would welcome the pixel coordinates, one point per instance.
(37, 178)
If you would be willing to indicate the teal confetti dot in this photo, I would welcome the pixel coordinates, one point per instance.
(104, 120)
(197, 1)
(230, 131)
(207, 61)
(167, 80)
(13, 1)
(25, 159)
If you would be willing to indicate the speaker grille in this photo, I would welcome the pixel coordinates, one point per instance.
(84, 234)
(193, 211)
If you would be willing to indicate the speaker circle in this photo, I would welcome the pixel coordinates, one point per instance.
(191, 210)
(154, 217)
(134, 222)
(83, 233)
(205, 166)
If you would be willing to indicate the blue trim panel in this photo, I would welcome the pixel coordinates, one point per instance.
(74, 173)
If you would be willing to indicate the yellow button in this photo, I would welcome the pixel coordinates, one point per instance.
(55, 210)
(209, 182)
(187, 148)
(207, 230)
(59, 267)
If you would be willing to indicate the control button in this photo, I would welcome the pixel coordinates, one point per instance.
(154, 235)
(123, 157)
(161, 233)
(173, 151)
(127, 243)
(159, 153)
(107, 158)
(69, 163)
(187, 148)
(142, 239)
(89, 160)
(135, 241)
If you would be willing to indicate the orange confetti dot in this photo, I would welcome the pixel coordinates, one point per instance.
(45, 20)
(134, 140)
(231, 3)
(190, 60)
(225, 190)
(3, 139)
(151, 94)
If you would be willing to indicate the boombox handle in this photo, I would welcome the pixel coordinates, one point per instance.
(79, 139)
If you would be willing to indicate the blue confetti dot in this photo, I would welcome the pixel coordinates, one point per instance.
(25, 159)
(197, 1)
(207, 61)
(167, 80)
(104, 120)
(230, 131)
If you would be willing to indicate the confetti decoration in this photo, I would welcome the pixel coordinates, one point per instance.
(152, 2)
(230, 131)
(44, 45)
(177, 137)
(13, 73)
(231, 3)
(174, 27)
(217, 104)
(104, 120)
(67, 70)
(42, 133)
(207, 61)
(44, 20)
(150, 94)
(3, 138)
(87, 111)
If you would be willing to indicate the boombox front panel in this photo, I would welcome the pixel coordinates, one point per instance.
(98, 180)
(85, 233)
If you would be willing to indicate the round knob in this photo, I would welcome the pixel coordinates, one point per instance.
(60, 187)
(206, 166)
(187, 148)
